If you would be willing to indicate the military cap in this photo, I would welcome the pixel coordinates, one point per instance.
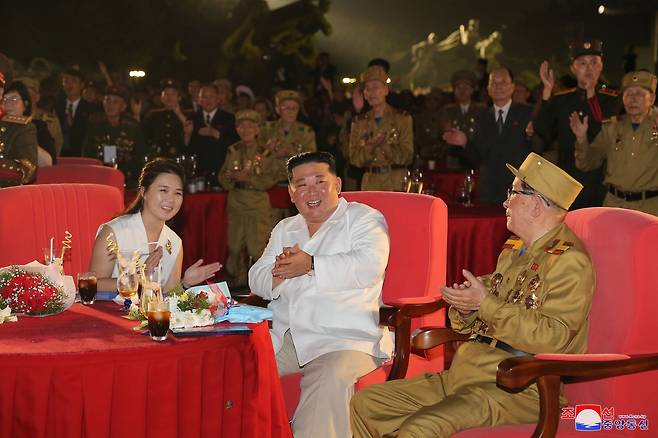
(374, 73)
(114, 90)
(169, 83)
(287, 95)
(6, 70)
(548, 179)
(247, 115)
(639, 78)
(91, 84)
(585, 47)
(464, 75)
(30, 82)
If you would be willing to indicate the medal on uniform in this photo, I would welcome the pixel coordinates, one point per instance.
(531, 301)
(516, 297)
(515, 294)
(168, 246)
(496, 280)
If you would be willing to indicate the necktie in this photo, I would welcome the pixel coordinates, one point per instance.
(208, 119)
(499, 122)
(69, 114)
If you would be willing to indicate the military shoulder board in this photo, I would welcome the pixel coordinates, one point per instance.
(558, 247)
(514, 243)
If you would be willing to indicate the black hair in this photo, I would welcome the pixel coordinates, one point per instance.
(21, 89)
(311, 157)
(150, 172)
(380, 62)
(209, 85)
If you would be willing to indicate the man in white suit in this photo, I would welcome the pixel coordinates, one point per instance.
(323, 271)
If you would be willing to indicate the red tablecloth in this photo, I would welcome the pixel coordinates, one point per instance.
(475, 237)
(446, 183)
(86, 373)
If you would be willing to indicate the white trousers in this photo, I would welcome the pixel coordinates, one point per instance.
(326, 389)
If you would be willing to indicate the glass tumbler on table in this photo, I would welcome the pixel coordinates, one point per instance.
(158, 319)
(127, 285)
(87, 286)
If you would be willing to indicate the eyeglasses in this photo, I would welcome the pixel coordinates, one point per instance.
(511, 192)
(12, 99)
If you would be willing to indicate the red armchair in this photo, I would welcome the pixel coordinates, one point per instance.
(81, 173)
(32, 214)
(623, 245)
(417, 226)
(79, 160)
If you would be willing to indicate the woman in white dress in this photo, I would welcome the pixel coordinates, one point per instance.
(143, 227)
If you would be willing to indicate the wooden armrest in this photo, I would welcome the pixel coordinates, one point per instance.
(397, 315)
(518, 372)
(431, 337)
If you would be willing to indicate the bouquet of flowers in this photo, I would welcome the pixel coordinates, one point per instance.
(31, 293)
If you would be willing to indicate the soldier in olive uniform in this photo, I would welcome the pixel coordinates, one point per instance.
(50, 118)
(628, 144)
(18, 144)
(248, 172)
(461, 114)
(588, 99)
(113, 127)
(164, 128)
(381, 140)
(287, 136)
(537, 301)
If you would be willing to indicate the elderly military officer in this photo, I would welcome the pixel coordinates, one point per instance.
(628, 144)
(286, 136)
(590, 99)
(381, 140)
(165, 127)
(18, 141)
(248, 172)
(537, 301)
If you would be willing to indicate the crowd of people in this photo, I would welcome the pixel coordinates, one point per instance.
(324, 268)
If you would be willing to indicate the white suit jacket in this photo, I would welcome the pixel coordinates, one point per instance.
(336, 307)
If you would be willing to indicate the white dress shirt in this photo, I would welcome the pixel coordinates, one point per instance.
(505, 109)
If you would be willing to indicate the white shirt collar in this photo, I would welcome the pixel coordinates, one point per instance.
(211, 114)
(464, 108)
(74, 105)
(505, 109)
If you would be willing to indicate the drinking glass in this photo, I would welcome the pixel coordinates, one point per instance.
(158, 319)
(87, 286)
(127, 285)
(151, 289)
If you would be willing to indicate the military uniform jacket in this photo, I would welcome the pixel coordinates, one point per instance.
(632, 155)
(398, 146)
(300, 138)
(164, 133)
(262, 168)
(554, 115)
(127, 136)
(18, 149)
(539, 297)
(452, 116)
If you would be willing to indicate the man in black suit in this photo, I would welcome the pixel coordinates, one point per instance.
(73, 112)
(502, 135)
(212, 133)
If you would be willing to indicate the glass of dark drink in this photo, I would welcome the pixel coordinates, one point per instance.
(158, 319)
(87, 287)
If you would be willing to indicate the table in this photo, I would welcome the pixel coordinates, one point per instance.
(445, 184)
(86, 373)
(475, 237)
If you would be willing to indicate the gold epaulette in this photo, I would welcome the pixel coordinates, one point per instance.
(612, 119)
(565, 91)
(558, 247)
(20, 120)
(609, 91)
(514, 243)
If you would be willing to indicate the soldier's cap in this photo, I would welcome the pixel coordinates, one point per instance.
(30, 82)
(115, 90)
(247, 114)
(243, 89)
(284, 95)
(6, 70)
(169, 83)
(223, 84)
(464, 75)
(74, 72)
(639, 78)
(548, 179)
(374, 73)
(585, 47)
(92, 84)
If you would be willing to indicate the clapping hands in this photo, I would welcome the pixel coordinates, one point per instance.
(467, 296)
(291, 263)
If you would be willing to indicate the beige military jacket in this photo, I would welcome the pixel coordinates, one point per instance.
(18, 148)
(632, 155)
(539, 297)
(397, 147)
(261, 167)
(300, 138)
